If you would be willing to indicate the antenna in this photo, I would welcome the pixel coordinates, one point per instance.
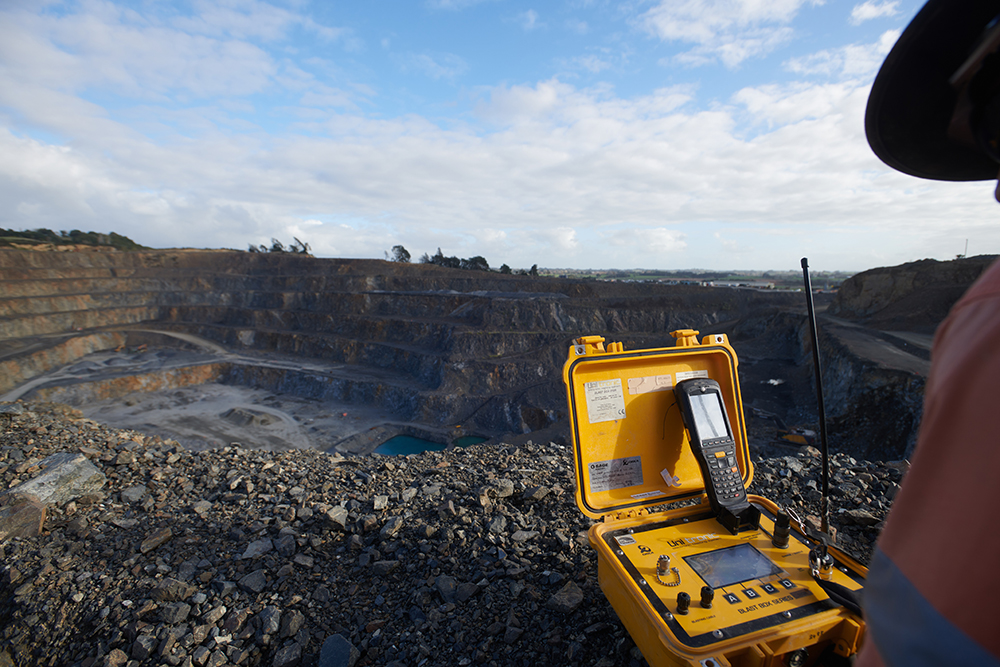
(824, 501)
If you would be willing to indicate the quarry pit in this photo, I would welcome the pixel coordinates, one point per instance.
(291, 351)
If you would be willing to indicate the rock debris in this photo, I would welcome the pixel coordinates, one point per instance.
(234, 556)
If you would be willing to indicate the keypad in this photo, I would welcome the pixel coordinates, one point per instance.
(726, 475)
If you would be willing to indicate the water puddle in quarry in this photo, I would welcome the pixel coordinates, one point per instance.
(402, 445)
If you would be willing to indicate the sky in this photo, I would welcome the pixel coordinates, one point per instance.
(655, 134)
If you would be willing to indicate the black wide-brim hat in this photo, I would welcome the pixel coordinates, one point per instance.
(911, 102)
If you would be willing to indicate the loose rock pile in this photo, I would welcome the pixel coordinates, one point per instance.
(236, 556)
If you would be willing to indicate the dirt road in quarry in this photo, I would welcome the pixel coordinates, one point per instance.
(208, 414)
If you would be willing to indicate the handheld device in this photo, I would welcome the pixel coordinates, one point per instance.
(711, 436)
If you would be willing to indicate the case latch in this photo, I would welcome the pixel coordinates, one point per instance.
(588, 345)
(685, 337)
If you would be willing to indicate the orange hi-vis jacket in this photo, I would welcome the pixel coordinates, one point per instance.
(933, 590)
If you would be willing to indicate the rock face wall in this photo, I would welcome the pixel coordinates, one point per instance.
(911, 296)
(434, 345)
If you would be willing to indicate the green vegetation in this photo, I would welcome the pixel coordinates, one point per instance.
(400, 254)
(298, 247)
(10, 237)
(476, 263)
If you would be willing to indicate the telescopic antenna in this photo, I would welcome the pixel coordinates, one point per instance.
(824, 448)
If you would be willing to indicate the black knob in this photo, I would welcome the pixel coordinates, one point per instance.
(683, 602)
(782, 529)
(707, 595)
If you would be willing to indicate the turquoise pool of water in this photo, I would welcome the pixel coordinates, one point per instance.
(402, 445)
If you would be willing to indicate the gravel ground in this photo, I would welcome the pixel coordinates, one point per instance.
(239, 556)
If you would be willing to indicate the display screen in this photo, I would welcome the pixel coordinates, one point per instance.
(709, 419)
(732, 565)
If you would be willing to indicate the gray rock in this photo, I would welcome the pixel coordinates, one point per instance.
(504, 488)
(223, 588)
(115, 658)
(174, 613)
(257, 548)
(338, 652)
(214, 615)
(497, 524)
(391, 527)
(446, 587)
(285, 546)
(536, 493)
(567, 599)
(134, 494)
(143, 647)
(172, 590)
(270, 620)
(291, 624)
(465, 591)
(254, 582)
(66, 477)
(337, 518)
(512, 634)
(861, 517)
(24, 518)
(321, 594)
(201, 506)
(384, 567)
(156, 539)
(287, 656)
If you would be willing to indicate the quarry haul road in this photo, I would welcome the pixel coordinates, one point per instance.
(904, 351)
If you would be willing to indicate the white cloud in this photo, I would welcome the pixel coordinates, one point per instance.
(648, 240)
(539, 172)
(869, 10)
(851, 61)
(529, 20)
(454, 5)
(730, 31)
(435, 66)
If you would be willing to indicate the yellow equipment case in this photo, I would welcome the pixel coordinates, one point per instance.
(692, 588)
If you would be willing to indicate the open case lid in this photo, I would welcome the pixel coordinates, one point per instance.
(630, 448)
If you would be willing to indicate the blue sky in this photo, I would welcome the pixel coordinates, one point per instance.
(661, 134)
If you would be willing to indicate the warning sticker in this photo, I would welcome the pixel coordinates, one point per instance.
(605, 400)
(615, 474)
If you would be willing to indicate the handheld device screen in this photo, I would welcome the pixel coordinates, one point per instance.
(708, 416)
(725, 567)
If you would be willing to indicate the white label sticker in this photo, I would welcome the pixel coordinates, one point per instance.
(605, 400)
(687, 375)
(647, 494)
(645, 385)
(625, 540)
(615, 474)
